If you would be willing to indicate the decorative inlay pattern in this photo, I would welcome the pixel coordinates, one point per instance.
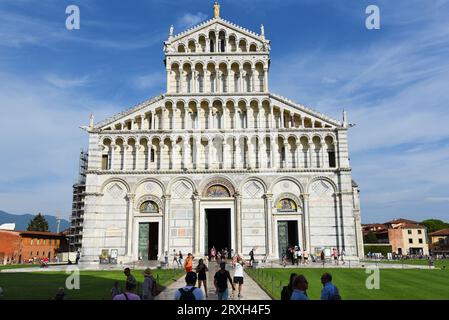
(253, 189)
(115, 191)
(182, 190)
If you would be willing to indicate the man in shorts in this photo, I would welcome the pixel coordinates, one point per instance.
(238, 276)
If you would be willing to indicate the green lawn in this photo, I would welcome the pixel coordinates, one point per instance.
(395, 284)
(443, 263)
(18, 266)
(94, 285)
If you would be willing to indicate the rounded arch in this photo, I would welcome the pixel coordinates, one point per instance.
(104, 138)
(184, 179)
(291, 179)
(218, 180)
(147, 198)
(144, 180)
(289, 196)
(248, 179)
(330, 181)
(119, 180)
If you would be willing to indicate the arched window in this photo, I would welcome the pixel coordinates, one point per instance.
(149, 207)
(217, 191)
(287, 205)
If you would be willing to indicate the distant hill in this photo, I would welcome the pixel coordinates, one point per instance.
(22, 220)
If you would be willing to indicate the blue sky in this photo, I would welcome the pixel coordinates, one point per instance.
(393, 82)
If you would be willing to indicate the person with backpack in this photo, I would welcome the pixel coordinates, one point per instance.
(238, 276)
(189, 292)
(148, 287)
(221, 279)
(329, 291)
(201, 269)
(288, 289)
(300, 286)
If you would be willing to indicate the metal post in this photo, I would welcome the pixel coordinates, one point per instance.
(272, 284)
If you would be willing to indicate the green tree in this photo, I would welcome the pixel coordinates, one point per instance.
(370, 238)
(38, 223)
(433, 225)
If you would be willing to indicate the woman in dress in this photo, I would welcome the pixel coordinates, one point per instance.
(201, 270)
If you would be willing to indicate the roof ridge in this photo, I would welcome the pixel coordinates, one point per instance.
(308, 109)
(129, 111)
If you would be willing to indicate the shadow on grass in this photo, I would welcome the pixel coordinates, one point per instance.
(94, 285)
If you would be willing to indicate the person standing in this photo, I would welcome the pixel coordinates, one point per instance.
(287, 290)
(188, 264)
(238, 277)
(189, 292)
(322, 257)
(329, 291)
(213, 253)
(221, 279)
(129, 277)
(175, 258)
(201, 269)
(251, 257)
(148, 285)
(180, 259)
(78, 256)
(300, 286)
(335, 255)
(305, 256)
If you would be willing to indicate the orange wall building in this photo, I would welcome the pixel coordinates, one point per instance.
(24, 246)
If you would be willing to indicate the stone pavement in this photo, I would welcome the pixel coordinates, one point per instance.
(250, 290)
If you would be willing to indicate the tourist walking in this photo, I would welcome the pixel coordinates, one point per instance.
(78, 256)
(335, 255)
(329, 291)
(287, 290)
(251, 257)
(201, 269)
(238, 277)
(213, 253)
(148, 287)
(180, 259)
(188, 264)
(300, 286)
(221, 279)
(175, 259)
(305, 256)
(189, 292)
(129, 277)
(322, 257)
(129, 293)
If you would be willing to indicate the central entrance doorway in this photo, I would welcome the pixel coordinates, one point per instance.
(148, 240)
(218, 230)
(287, 236)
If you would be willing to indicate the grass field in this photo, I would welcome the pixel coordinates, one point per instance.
(94, 285)
(422, 262)
(18, 266)
(395, 284)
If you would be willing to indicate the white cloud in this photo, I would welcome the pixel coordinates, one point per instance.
(437, 199)
(61, 82)
(150, 81)
(189, 20)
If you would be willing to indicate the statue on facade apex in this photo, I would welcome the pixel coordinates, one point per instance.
(172, 29)
(216, 10)
(262, 31)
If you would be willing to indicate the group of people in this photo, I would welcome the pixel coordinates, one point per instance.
(296, 256)
(149, 288)
(221, 279)
(298, 285)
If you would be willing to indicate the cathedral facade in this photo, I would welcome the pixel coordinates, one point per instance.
(219, 160)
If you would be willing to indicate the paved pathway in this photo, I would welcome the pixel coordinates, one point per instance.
(250, 290)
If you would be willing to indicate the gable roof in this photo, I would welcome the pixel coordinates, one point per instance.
(442, 232)
(228, 24)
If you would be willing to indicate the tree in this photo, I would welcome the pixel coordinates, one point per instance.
(370, 237)
(433, 225)
(38, 223)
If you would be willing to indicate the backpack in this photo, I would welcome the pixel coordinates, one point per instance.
(187, 295)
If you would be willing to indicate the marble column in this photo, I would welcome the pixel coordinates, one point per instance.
(269, 224)
(265, 89)
(166, 222)
(112, 160)
(238, 223)
(306, 231)
(196, 229)
(129, 223)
